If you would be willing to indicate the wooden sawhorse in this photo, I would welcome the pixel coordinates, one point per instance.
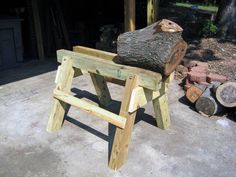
(141, 86)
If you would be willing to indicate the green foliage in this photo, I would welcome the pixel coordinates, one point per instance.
(209, 8)
(209, 29)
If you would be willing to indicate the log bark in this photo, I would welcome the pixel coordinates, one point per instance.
(226, 94)
(194, 92)
(158, 47)
(207, 104)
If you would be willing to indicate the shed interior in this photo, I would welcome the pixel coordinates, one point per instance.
(48, 25)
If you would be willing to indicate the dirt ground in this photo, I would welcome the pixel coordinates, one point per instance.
(220, 55)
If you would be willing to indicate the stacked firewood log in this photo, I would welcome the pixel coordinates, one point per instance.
(210, 93)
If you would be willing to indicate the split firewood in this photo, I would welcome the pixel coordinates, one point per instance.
(226, 94)
(194, 92)
(158, 47)
(207, 103)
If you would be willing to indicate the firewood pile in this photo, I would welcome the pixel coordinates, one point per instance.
(209, 92)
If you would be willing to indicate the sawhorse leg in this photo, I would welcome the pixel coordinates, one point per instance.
(65, 77)
(101, 88)
(160, 105)
(122, 136)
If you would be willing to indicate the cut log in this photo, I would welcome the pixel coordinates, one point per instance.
(158, 47)
(207, 104)
(226, 94)
(194, 92)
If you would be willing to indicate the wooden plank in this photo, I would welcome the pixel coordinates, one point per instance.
(147, 79)
(129, 8)
(94, 52)
(161, 110)
(122, 136)
(152, 8)
(38, 28)
(64, 83)
(160, 104)
(108, 116)
(140, 97)
(101, 89)
(100, 54)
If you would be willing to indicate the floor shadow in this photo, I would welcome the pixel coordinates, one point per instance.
(184, 101)
(113, 107)
(209, 55)
(231, 114)
(27, 70)
(87, 128)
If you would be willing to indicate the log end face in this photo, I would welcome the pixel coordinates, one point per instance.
(175, 57)
(206, 106)
(165, 25)
(226, 94)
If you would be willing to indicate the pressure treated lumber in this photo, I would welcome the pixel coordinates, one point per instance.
(160, 104)
(226, 94)
(207, 103)
(141, 86)
(106, 68)
(102, 55)
(65, 77)
(140, 97)
(101, 88)
(90, 108)
(194, 92)
(158, 47)
(122, 137)
(94, 52)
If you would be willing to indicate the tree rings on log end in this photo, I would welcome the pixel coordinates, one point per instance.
(175, 57)
(226, 94)
(206, 105)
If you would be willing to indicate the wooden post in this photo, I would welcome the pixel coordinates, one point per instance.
(122, 136)
(129, 12)
(38, 28)
(101, 88)
(65, 77)
(160, 105)
(152, 9)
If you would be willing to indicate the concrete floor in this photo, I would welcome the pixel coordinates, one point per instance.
(193, 146)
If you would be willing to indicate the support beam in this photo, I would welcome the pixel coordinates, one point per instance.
(65, 77)
(160, 104)
(91, 109)
(122, 136)
(129, 7)
(161, 110)
(106, 68)
(152, 10)
(101, 88)
(94, 52)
